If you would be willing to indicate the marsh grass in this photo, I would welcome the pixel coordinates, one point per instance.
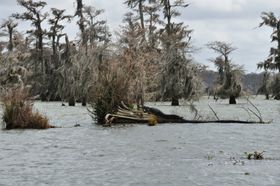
(18, 111)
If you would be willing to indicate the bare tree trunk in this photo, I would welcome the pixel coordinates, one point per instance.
(175, 101)
(267, 96)
(168, 15)
(84, 101)
(72, 101)
(43, 97)
(232, 100)
(54, 45)
(39, 36)
(139, 101)
(79, 13)
(141, 14)
(11, 45)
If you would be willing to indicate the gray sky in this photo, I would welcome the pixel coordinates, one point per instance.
(233, 21)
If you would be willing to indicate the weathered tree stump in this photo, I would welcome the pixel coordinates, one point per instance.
(72, 101)
(175, 102)
(232, 100)
(84, 101)
(267, 96)
(43, 97)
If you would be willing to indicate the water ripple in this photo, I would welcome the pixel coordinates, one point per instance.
(142, 155)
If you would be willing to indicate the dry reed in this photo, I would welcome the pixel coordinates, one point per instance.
(18, 111)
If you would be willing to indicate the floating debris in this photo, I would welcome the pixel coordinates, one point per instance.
(255, 155)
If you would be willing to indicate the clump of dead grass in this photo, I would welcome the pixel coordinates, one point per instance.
(18, 111)
(111, 88)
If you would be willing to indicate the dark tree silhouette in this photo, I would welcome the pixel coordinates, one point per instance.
(140, 9)
(55, 32)
(269, 19)
(9, 26)
(152, 21)
(229, 74)
(34, 14)
(96, 31)
(81, 22)
(265, 87)
(273, 60)
(178, 76)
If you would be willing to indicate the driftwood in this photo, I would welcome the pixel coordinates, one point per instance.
(154, 116)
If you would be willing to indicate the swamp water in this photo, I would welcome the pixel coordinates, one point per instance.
(169, 154)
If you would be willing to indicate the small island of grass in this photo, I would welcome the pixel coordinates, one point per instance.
(18, 111)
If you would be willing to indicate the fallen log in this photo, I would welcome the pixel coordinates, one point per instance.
(154, 116)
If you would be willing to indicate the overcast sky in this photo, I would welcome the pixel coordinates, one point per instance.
(234, 21)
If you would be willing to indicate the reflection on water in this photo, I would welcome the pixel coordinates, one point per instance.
(190, 154)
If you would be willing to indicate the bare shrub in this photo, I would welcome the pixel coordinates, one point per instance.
(112, 88)
(18, 114)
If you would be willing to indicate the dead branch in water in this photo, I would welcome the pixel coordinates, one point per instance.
(197, 116)
(214, 112)
(258, 114)
(248, 112)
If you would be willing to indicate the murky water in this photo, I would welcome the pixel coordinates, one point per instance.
(169, 154)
